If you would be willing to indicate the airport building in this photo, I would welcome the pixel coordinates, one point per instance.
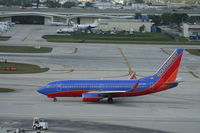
(45, 17)
(31, 17)
(107, 22)
(191, 31)
(79, 15)
(110, 19)
(124, 24)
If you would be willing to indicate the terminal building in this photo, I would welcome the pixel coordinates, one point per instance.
(191, 31)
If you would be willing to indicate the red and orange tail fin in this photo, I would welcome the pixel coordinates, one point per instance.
(169, 70)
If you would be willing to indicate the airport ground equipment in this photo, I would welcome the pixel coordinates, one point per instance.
(39, 123)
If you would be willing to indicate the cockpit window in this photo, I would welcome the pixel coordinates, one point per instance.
(41, 120)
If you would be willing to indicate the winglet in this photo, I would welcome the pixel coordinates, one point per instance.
(133, 75)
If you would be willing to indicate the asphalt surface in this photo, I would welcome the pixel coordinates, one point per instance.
(175, 110)
(71, 126)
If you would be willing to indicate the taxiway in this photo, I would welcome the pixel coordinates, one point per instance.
(174, 110)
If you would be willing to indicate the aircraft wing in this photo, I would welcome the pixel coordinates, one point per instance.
(113, 92)
(107, 92)
(178, 80)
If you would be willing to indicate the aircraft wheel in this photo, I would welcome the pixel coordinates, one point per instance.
(55, 99)
(34, 127)
(110, 100)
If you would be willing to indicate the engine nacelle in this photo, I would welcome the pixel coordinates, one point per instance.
(91, 97)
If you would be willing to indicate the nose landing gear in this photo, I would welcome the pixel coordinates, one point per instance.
(54, 99)
(110, 100)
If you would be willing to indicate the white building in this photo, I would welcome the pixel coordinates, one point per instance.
(191, 31)
(124, 24)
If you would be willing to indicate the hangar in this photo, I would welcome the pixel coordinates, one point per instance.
(90, 18)
(45, 18)
(31, 17)
(28, 19)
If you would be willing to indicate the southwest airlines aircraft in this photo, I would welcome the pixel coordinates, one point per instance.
(95, 90)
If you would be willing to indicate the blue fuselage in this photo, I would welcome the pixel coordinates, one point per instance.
(95, 85)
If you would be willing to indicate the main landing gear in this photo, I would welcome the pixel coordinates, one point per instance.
(54, 99)
(110, 100)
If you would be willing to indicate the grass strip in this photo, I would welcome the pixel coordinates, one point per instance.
(194, 51)
(25, 49)
(4, 38)
(4, 90)
(136, 38)
(20, 68)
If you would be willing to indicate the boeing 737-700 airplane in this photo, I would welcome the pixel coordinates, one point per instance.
(95, 90)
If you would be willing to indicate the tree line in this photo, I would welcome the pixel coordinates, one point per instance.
(174, 18)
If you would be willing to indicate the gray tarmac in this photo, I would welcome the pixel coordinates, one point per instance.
(175, 110)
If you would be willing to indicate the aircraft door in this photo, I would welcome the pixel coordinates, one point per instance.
(78, 21)
(151, 84)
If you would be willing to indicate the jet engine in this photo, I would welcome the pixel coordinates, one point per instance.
(91, 97)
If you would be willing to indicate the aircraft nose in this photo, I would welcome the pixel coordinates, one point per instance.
(42, 90)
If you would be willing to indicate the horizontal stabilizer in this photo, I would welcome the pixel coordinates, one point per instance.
(171, 83)
(179, 79)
